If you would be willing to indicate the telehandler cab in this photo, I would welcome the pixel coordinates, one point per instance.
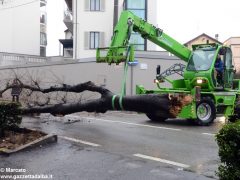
(211, 96)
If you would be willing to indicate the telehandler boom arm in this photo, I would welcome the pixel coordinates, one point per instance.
(120, 47)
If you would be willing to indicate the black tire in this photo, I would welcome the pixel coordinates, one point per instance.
(206, 111)
(155, 117)
(233, 118)
(191, 121)
(236, 115)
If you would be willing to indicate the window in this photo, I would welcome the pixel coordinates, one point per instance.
(138, 7)
(43, 14)
(228, 59)
(136, 4)
(94, 5)
(94, 40)
(68, 52)
(43, 51)
(43, 18)
(43, 39)
(137, 41)
(201, 59)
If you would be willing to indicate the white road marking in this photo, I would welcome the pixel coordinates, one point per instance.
(79, 141)
(162, 160)
(209, 134)
(135, 124)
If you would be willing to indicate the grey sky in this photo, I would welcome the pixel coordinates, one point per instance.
(55, 26)
(186, 19)
(181, 19)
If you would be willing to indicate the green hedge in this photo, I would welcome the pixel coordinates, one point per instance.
(9, 115)
(228, 140)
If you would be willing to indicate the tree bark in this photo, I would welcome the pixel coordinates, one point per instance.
(164, 105)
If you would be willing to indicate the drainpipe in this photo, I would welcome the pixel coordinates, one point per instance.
(76, 34)
(75, 28)
(115, 13)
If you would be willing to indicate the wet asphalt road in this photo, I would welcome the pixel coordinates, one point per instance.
(120, 146)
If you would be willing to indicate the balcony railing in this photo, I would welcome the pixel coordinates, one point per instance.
(68, 15)
(43, 28)
(8, 59)
(43, 17)
(12, 59)
(69, 4)
(43, 3)
(68, 20)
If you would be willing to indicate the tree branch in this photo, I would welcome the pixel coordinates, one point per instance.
(148, 103)
(87, 86)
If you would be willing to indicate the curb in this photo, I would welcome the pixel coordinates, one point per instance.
(50, 138)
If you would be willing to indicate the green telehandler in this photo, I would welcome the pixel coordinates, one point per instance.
(211, 95)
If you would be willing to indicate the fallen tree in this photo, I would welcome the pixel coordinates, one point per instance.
(164, 106)
(155, 106)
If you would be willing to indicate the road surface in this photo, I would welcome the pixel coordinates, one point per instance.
(119, 146)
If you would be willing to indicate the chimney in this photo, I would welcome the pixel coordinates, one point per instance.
(216, 36)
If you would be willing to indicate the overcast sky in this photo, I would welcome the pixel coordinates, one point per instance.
(55, 25)
(186, 19)
(181, 19)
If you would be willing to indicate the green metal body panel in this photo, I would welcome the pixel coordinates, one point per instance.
(224, 100)
(188, 112)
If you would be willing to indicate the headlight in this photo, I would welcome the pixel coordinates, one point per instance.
(199, 81)
(156, 81)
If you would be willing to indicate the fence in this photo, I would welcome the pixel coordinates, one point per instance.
(9, 59)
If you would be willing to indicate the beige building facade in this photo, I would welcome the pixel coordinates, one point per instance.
(202, 39)
(234, 44)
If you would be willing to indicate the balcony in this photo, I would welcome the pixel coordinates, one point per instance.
(43, 3)
(43, 18)
(15, 60)
(43, 28)
(43, 39)
(69, 4)
(68, 20)
(67, 47)
(9, 59)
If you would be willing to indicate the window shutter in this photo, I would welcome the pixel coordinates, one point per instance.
(87, 5)
(102, 5)
(102, 39)
(86, 40)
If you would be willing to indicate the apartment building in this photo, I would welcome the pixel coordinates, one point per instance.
(234, 44)
(91, 23)
(23, 26)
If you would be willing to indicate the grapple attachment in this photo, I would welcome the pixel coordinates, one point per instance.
(115, 54)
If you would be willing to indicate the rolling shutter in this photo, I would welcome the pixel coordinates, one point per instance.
(102, 7)
(86, 40)
(102, 39)
(87, 5)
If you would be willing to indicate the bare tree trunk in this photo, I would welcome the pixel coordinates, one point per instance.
(164, 105)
